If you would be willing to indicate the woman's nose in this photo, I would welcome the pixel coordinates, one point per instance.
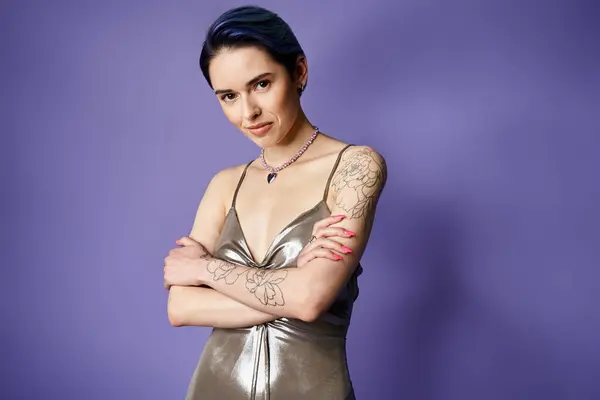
(251, 110)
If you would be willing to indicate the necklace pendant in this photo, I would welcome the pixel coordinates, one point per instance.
(271, 177)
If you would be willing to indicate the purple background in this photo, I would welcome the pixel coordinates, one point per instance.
(483, 269)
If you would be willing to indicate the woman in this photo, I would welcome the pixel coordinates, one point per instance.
(273, 256)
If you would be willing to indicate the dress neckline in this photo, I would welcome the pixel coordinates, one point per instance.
(281, 233)
(278, 236)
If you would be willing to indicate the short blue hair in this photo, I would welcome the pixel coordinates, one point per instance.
(251, 26)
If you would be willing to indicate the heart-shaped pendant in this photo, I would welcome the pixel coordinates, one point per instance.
(271, 177)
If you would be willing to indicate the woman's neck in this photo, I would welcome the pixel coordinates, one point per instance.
(298, 135)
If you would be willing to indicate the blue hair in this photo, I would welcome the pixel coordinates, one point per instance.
(251, 26)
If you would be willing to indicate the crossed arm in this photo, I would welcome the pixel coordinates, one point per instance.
(240, 296)
(204, 306)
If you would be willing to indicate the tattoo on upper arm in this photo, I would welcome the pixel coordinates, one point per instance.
(263, 283)
(359, 181)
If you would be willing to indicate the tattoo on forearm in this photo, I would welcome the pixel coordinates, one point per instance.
(263, 283)
(358, 182)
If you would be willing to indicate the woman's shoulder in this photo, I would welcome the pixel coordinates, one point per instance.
(230, 175)
(362, 163)
(355, 152)
(364, 152)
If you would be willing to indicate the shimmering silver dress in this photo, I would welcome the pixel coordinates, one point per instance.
(285, 359)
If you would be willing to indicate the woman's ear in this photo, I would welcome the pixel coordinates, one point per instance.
(301, 72)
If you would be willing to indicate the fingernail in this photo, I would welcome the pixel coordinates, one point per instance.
(337, 257)
(346, 249)
(339, 216)
(349, 233)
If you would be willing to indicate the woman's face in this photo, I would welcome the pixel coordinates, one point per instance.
(256, 93)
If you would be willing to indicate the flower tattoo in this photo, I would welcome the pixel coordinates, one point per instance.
(358, 182)
(263, 283)
(222, 270)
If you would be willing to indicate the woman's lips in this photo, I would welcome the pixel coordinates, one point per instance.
(261, 129)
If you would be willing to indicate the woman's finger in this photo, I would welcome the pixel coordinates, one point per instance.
(318, 253)
(327, 221)
(333, 231)
(328, 243)
(325, 253)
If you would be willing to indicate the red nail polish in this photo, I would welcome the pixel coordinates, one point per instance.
(347, 232)
(346, 249)
(337, 257)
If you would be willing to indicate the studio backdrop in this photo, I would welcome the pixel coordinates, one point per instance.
(482, 273)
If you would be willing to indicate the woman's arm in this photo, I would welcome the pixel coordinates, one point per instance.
(304, 293)
(204, 306)
(201, 306)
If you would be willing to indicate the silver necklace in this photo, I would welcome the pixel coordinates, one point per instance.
(273, 171)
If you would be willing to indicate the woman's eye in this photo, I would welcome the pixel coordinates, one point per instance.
(262, 84)
(228, 97)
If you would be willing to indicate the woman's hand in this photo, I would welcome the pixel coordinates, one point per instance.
(183, 264)
(322, 245)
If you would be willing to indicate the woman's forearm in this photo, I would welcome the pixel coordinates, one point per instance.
(283, 292)
(203, 306)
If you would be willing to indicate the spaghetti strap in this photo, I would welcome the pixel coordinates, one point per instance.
(240, 184)
(339, 157)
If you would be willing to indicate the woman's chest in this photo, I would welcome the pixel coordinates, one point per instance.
(235, 245)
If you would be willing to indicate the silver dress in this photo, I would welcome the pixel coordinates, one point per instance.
(285, 359)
